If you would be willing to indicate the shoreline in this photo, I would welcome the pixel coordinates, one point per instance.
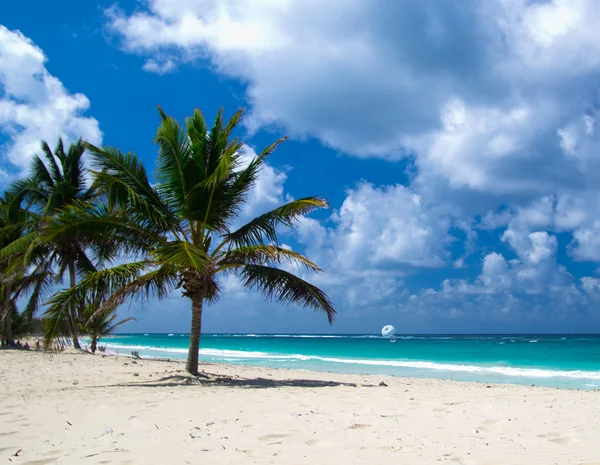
(72, 407)
(220, 366)
(405, 379)
(403, 368)
(499, 374)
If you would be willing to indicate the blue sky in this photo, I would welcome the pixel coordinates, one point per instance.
(457, 143)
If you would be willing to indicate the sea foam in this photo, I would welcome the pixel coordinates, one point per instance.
(241, 355)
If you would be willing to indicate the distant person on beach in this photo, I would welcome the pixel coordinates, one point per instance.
(37, 345)
(27, 346)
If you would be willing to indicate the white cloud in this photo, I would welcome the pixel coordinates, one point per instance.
(496, 97)
(381, 227)
(495, 273)
(495, 100)
(591, 285)
(34, 105)
(373, 80)
(586, 242)
(159, 67)
(390, 225)
(378, 236)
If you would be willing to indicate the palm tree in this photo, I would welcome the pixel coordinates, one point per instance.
(8, 232)
(55, 184)
(12, 278)
(97, 324)
(183, 225)
(16, 276)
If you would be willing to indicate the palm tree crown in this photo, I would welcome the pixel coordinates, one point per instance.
(57, 181)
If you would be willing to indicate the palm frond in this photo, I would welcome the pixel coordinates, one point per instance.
(40, 285)
(40, 171)
(264, 228)
(262, 254)
(123, 178)
(173, 158)
(184, 255)
(73, 168)
(282, 286)
(196, 131)
(109, 231)
(111, 286)
(30, 190)
(56, 174)
(56, 324)
(20, 246)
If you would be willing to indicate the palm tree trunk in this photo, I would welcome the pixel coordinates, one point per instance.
(72, 316)
(192, 360)
(94, 344)
(8, 334)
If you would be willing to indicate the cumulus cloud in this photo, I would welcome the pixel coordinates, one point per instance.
(375, 239)
(35, 105)
(481, 93)
(533, 289)
(494, 101)
(381, 226)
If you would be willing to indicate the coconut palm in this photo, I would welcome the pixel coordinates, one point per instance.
(183, 224)
(57, 181)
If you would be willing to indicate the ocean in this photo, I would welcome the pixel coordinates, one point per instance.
(567, 361)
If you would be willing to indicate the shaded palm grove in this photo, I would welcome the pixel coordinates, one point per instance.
(179, 231)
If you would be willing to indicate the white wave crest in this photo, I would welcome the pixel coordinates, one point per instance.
(239, 355)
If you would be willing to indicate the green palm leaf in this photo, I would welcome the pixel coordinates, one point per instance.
(184, 255)
(280, 285)
(262, 254)
(263, 228)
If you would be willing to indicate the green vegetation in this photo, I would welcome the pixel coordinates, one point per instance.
(99, 324)
(178, 232)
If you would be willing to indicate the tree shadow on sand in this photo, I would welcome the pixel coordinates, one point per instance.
(250, 383)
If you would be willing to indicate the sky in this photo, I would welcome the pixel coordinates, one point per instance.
(456, 141)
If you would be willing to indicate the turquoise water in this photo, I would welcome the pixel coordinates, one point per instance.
(571, 361)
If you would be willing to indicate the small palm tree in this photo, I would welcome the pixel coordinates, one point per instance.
(182, 225)
(97, 324)
(57, 182)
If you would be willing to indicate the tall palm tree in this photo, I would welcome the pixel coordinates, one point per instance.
(183, 224)
(56, 182)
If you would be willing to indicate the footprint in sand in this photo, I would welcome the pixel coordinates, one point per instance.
(250, 452)
(564, 441)
(270, 437)
(358, 426)
(40, 462)
(557, 438)
(314, 442)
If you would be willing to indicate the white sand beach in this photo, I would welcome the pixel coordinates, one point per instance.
(74, 408)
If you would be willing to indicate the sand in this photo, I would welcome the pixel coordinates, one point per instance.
(76, 408)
